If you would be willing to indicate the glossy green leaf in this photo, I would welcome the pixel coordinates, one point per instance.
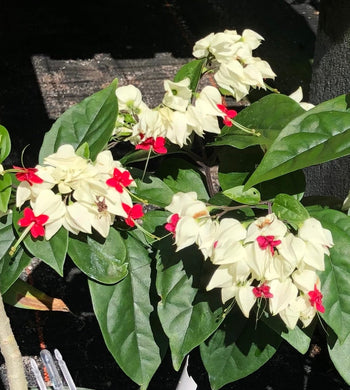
(251, 196)
(232, 179)
(91, 121)
(154, 190)
(310, 139)
(126, 317)
(5, 191)
(287, 208)
(101, 259)
(52, 252)
(5, 143)
(339, 354)
(192, 70)
(188, 314)
(335, 278)
(339, 103)
(181, 176)
(238, 348)
(268, 116)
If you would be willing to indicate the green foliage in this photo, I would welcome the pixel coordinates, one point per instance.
(312, 138)
(192, 70)
(267, 117)
(188, 315)
(126, 317)
(90, 121)
(147, 293)
(335, 278)
(251, 196)
(102, 260)
(52, 252)
(5, 191)
(237, 349)
(5, 143)
(289, 209)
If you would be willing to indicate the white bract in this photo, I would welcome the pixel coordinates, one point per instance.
(264, 261)
(230, 55)
(76, 193)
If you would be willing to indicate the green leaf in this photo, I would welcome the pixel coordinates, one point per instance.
(10, 267)
(231, 179)
(91, 121)
(101, 259)
(83, 150)
(335, 278)
(251, 196)
(5, 191)
(52, 252)
(238, 348)
(310, 139)
(181, 176)
(126, 317)
(192, 70)
(339, 103)
(188, 314)
(298, 338)
(5, 143)
(287, 208)
(339, 354)
(268, 116)
(154, 190)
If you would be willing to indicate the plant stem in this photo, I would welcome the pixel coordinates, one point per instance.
(11, 353)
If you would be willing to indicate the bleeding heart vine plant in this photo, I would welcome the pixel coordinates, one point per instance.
(189, 219)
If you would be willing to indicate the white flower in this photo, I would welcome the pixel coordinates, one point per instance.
(251, 38)
(129, 98)
(222, 45)
(305, 279)
(256, 70)
(175, 126)
(297, 96)
(317, 243)
(269, 225)
(50, 204)
(187, 204)
(283, 293)
(77, 219)
(203, 116)
(228, 247)
(232, 78)
(177, 95)
(201, 47)
(245, 298)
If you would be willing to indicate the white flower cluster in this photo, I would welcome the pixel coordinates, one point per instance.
(231, 54)
(75, 192)
(261, 261)
(175, 119)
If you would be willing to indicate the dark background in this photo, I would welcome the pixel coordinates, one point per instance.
(137, 30)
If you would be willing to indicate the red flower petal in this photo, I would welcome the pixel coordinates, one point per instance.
(28, 175)
(316, 299)
(119, 180)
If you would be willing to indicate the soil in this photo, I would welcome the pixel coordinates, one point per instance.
(136, 30)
